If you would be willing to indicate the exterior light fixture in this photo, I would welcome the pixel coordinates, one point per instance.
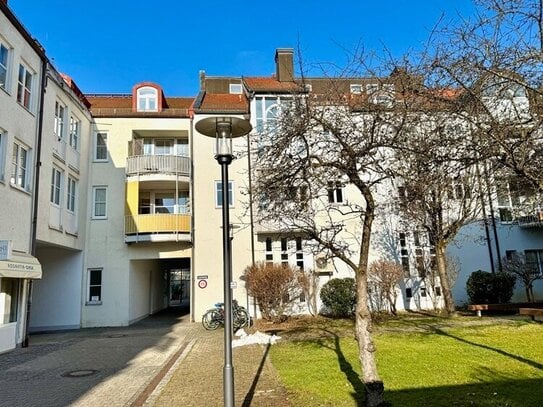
(224, 129)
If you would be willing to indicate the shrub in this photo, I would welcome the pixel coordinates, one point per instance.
(275, 288)
(339, 296)
(488, 288)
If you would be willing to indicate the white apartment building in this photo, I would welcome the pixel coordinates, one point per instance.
(22, 67)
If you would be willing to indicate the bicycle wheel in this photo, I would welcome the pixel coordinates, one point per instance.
(211, 320)
(241, 318)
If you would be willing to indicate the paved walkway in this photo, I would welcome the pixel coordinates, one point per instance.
(162, 360)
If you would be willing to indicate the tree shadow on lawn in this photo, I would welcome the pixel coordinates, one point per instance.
(493, 392)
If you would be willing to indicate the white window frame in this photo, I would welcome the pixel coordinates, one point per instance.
(60, 119)
(5, 67)
(372, 88)
(236, 88)
(17, 166)
(25, 89)
(71, 195)
(356, 88)
(95, 202)
(336, 193)
(75, 132)
(56, 187)
(218, 192)
(103, 147)
(89, 299)
(146, 99)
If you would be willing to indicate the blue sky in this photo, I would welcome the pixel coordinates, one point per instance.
(108, 46)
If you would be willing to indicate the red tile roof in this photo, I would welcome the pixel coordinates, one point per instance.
(120, 105)
(259, 84)
(224, 102)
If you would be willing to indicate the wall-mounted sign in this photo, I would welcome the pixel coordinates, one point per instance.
(202, 277)
(202, 283)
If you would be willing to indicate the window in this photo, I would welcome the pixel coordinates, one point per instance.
(408, 292)
(60, 111)
(72, 185)
(24, 86)
(299, 253)
(75, 129)
(9, 290)
(284, 253)
(356, 89)
(371, 88)
(534, 260)
(147, 99)
(269, 250)
(100, 147)
(95, 286)
(510, 254)
(437, 291)
(423, 291)
(404, 254)
(99, 204)
(335, 192)
(236, 88)
(4, 65)
(56, 186)
(218, 194)
(20, 163)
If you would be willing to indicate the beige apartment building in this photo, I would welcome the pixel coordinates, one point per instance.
(112, 207)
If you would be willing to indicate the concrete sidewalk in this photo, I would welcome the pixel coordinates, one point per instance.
(162, 360)
(92, 367)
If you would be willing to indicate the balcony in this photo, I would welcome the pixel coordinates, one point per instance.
(158, 164)
(531, 221)
(157, 227)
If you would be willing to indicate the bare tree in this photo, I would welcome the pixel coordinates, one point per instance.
(494, 61)
(527, 272)
(317, 171)
(275, 287)
(438, 181)
(385, 276)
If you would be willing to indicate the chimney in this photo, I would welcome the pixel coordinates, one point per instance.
(284, 64)
(202, 75)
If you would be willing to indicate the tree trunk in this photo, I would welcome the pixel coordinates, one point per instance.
(366, 348)
(444, 278)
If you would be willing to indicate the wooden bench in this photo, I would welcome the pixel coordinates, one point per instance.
(513, 307)
(533, 312)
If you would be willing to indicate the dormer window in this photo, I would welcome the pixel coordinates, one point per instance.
(356, 89)
(147, 99)
(236, 88)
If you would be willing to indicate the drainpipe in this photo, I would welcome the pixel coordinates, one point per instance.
(493, 219)
(35, 191)
(251, 220)
(192, 210)
(485, 221)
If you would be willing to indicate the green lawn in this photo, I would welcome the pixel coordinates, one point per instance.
(423, 361)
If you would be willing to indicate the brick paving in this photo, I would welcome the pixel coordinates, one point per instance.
(163, 360)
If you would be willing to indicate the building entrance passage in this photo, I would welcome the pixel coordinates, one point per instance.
(179, 292)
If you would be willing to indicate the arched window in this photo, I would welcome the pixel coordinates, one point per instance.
(147, 99)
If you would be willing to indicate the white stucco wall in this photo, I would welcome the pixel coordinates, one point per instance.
(470, 249)
(56, 297)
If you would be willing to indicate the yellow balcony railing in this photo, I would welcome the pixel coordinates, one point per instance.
(157, 223)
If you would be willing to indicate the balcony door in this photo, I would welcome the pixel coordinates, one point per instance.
(163, 202)
(160, 146)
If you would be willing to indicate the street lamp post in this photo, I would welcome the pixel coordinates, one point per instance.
(224, 129)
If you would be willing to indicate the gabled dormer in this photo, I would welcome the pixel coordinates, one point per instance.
(147, 97)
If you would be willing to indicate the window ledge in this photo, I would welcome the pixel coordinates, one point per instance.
(26, 108)
(93, 303)
(18, 188)
(5, 90)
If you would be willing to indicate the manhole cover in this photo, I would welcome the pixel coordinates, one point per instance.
(80, 373)
(116, 335)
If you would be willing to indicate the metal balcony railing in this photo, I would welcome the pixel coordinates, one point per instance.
(533, 220)
(157, 223)
(158, 164)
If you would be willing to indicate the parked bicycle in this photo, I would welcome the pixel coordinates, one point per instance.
(214, 317)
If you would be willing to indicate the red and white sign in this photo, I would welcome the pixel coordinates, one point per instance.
(202, 283)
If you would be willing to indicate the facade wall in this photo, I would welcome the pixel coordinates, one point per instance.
(207, 216)
(123, 285)
(56, 298)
